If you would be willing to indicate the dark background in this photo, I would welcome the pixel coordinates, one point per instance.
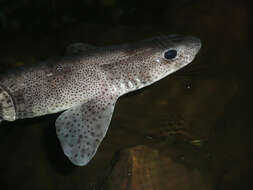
(203, 112)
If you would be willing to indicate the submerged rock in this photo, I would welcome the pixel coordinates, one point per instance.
(141, 167)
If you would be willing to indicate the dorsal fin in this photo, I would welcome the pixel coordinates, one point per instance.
(78, 48)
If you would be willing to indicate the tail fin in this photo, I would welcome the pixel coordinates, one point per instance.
(7, 109)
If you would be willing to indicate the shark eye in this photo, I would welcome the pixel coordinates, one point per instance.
(170, 54)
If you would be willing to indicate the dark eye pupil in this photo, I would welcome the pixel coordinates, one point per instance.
(170, 54)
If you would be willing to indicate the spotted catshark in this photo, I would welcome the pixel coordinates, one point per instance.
(86, 83)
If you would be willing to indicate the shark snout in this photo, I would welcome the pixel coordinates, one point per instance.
(193, 43)
(190, 42)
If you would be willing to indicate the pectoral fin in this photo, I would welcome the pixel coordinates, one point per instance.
(82, 128)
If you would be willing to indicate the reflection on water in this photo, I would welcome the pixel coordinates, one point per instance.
(199, 116)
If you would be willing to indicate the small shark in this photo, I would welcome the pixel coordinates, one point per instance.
(86, 83)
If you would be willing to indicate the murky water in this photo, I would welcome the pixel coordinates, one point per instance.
(200, 116)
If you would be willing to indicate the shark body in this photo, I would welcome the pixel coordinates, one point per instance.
(86, 84)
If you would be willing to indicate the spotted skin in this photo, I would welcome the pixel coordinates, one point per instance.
(86, 83)
(82, 128)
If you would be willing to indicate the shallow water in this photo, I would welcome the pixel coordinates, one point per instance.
(200, 116)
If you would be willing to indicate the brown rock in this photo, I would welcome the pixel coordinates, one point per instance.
(141, 167)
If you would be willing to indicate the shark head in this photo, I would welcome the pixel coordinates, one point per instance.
(164, 55)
